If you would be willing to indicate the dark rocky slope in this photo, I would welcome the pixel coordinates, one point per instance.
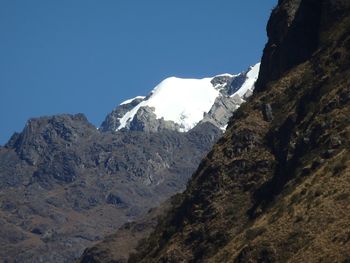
(65, 185)
(275, 188)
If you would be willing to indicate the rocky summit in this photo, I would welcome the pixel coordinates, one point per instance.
(180, 104)
(275, 187)
(65, 185)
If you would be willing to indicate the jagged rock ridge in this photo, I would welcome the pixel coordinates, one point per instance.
(64, 184)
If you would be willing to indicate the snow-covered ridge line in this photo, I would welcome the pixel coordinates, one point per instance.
(251, 77)
(186, 101)
(131, 100)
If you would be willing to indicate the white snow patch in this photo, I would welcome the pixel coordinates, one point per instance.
(249, 83)
(131, 100)
(223, 128)
(226, 75)
(183, 101)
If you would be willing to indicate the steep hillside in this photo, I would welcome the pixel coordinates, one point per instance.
(275, 188)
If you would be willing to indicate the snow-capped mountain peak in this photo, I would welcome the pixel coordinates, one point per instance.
(182, 103)
(251, 77)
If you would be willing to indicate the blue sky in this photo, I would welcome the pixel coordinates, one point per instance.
(88, 56)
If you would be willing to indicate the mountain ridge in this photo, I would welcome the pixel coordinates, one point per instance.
(64, 184)
(180, 104)
(275, 187)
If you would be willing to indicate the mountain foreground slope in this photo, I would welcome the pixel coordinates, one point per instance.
(275, 188)
(64, 184)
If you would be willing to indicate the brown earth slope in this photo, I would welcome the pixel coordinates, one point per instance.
(275, 188)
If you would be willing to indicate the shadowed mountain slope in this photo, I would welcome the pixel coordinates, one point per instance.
(65, 185)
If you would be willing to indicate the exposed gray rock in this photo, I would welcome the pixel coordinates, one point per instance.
(267, 112)
(236, 83)
(247, 94)
(64, 184)
(228, 85)
(222, 80)
(146, 120)
(111, 122)
(222, 110)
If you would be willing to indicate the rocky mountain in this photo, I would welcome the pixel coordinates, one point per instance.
(275, 187)
(64, 184)
(180, 104)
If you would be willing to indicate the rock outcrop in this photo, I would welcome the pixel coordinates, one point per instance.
(64, 185)
(111, 122)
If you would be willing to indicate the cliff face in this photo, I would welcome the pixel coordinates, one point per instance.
(275, 188)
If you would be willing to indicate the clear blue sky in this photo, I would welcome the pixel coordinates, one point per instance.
(87, 56)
